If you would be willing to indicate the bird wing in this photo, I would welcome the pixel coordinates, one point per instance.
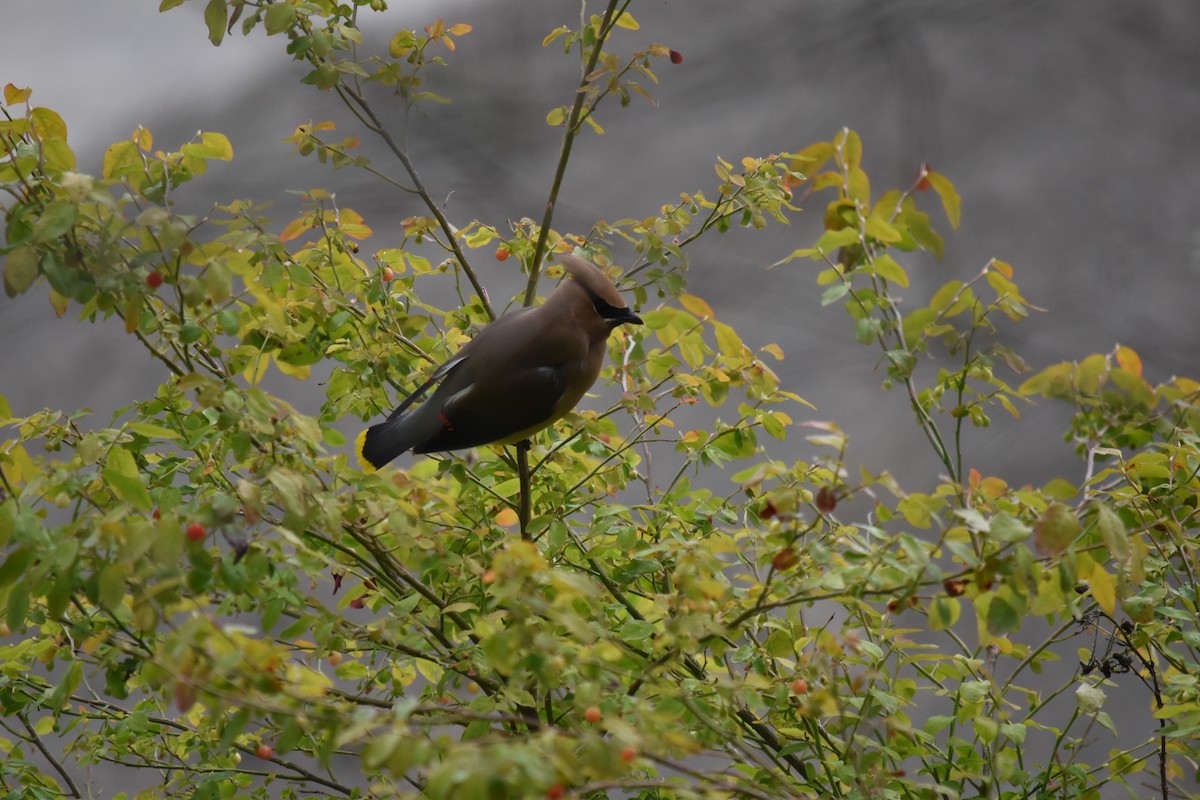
(523, 400)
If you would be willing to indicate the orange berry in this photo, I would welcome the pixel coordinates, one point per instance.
(593, 715)
(387, 274)
(265, 752)
(502, 253)
(800, 686)
(628, 754)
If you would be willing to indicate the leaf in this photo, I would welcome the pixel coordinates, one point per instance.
(1104, 589)
(626, 21)
(696, 306)
(55, 220)
(120, 159)
(886, 267)
(506, 518)
(944, 613)
(121, 474)
(110, 585)
(1056, 529)
(1002, 618)
(20, 270)
(216, 17)
(951, 202)
(1112, 533)
(48, 124)
(13, 95)
(279, 17)
(554, 34)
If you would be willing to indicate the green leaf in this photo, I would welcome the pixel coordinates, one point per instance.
(944, 613)
(110, 585)
(1112, 533)
(121, 474)
(1056, 529)
(20, 270)
(56, 219)
(216, 17)
(1002, 618)
(279, 17)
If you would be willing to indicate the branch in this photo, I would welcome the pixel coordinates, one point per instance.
(361, 109)
(539, 251)
(54, 762)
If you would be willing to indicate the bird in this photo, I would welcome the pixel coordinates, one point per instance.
(518, 375)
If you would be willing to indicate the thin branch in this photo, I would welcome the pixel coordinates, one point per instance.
(573, 122)
(54, 762)
(362, 109)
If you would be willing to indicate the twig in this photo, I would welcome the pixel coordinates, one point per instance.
(54, 762)
(573, 120)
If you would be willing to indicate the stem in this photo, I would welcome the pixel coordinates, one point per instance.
(54, 762)
(564, 155)
(526, 502)
(357, 103)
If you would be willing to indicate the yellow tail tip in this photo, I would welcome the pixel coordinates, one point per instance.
(366, 466)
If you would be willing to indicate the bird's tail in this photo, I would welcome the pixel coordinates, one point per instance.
(381, 443)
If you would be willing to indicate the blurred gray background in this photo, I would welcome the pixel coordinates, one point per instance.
(1072, 131)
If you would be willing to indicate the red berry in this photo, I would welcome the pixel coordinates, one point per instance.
(388, 274)
(800, 686)
(954, 586)
(502, 254)
(676, 57)
(157, 514)
(154, 279)
(593, 714)
(555, 792)
(265, 752)
(628, 754)
(196, 532)
(826, 500)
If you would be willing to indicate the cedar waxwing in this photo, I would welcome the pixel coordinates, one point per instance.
(518, 375)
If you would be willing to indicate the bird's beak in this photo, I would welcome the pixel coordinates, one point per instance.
(630, 318)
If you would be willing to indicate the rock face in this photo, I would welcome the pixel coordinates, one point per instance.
(1069, 130)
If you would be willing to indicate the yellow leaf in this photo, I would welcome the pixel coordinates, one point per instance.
(1129, 360)
(13, 95)
(143, 138)
(460, 28)
(550, 37)
(298, 371)
(1103, 589)
(506, 518)
(59, 303)
(627, 22)
(696, 305)
(295, 228)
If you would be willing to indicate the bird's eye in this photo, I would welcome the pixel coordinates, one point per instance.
(609, 311)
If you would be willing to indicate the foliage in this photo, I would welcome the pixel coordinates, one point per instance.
(208, 589)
